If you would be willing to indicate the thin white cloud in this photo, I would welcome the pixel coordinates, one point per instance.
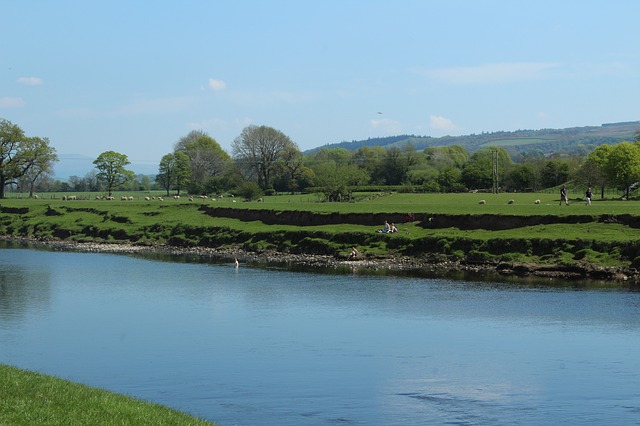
(492, 73)
(441, 124)
(9, 102)
(386, 125)
(543, 115)
(30, 81)
(217, 85)
(244, 121)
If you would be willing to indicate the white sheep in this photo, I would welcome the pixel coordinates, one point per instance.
(482, 202)
(176, 197)
(147, 198)
(123, 198)
(536, 202)
(130, 198)
(510, 202)
(160, 199)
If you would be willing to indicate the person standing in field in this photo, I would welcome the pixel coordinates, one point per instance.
(563, 196)
(588, 196)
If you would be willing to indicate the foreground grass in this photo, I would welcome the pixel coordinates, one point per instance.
(28, 398)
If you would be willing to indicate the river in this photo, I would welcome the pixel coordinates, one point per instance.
(256, 346)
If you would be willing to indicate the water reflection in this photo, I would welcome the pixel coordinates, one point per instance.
(22, 289)
(259, 346)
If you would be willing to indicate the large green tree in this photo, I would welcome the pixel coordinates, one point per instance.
(38, 161)
(258, 151)
(20, 154)
(293, 168)
(207, 159)
(112, 171)
(554, 172)
(592, 172)
(522, 177)
(622, 165)
(486, 168)
(337, 180)
(174, 172)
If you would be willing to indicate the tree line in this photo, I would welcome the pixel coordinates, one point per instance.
(266, 161)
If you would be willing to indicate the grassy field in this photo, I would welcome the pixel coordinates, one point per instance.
(518, 141)
(28, 398)
(181, 222)
(460, 203)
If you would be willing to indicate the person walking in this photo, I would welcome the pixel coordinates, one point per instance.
(588, 196)
(563, 196)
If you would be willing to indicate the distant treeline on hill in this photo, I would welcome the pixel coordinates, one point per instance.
(517, 143)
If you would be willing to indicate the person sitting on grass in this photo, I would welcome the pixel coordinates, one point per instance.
(353, 254)
(386, 229)
(393, 228)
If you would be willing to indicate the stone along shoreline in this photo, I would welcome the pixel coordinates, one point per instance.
(395, 265)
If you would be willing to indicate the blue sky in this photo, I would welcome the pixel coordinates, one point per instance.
(135, 76)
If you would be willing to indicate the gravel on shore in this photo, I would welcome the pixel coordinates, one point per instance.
(391, 264)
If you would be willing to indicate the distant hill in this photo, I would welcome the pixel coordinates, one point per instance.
(518, 143)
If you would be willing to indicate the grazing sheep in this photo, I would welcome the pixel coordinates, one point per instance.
(176, 197)
(123, 198)
(160, 199)
(71, 197)
(510, 202)
(234, 201)
(190, 198)
(110, 197)
(482, 202)
(147, 198)
(130, 198)
(36, 196)
(260, 200)
(536, 202)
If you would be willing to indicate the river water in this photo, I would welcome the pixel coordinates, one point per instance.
(255, 346)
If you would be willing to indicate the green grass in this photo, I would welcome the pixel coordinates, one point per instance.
(518, 141)
(181, 223)
(28, 398)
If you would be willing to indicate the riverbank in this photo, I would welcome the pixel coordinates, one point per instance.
(24, 403)
(390, 265)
